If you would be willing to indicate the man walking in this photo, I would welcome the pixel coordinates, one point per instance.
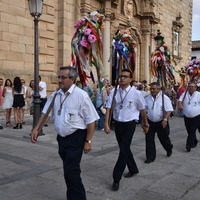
(74, 121)
(128, 103)
(159, 108)
(189, 101)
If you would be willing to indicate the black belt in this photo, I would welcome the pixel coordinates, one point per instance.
(118, 122)
(43, 98)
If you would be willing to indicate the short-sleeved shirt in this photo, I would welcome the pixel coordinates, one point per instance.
(155, 107)
(77, 110)
(191, 104)
(43, 93)
(127, 104)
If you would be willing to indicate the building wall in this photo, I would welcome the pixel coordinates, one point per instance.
(56, 29)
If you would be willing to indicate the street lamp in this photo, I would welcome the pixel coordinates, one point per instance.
(159, 39)
(35, 7)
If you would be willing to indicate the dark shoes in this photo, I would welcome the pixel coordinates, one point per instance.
(115, 186)
(1, 127)
(169, 153)
(46, 125)
(129, 174)
(188, 148)
(147, 161)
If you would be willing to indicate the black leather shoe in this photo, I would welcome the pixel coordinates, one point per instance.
(169, 153)
(188, 148)
(129, 174)
(147, 161)
(1, 127)
(115, 186)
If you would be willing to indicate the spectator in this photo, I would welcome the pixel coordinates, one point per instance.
(25, 98)
(42, 92)
(18, 102)
(8, 100)
(1, 91)
(100, 101)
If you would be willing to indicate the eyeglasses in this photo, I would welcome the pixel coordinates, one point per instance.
(63, 77)
(124, 76)
(22, 82)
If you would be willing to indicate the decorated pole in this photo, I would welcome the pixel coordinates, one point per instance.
(161, 66)
(123, 57)
(87, 47)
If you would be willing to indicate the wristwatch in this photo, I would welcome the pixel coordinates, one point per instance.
(88, 141)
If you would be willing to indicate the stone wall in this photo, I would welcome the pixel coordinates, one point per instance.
(56, 29)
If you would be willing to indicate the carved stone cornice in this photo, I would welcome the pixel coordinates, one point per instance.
(149, 15)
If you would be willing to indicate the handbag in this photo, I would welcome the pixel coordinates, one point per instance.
(103, 109)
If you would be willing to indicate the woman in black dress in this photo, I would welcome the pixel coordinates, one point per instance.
(18, 102)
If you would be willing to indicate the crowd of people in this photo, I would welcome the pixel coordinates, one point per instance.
(77, 109)
(16, 96)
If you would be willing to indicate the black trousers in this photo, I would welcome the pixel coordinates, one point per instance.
(192, 124)
(163, 136)
(124, 133)
(43, 102)
(70, 151)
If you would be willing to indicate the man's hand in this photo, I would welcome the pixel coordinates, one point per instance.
(145, 128)
(164, 123)
(87, 147)
(106, 128)
(34, 135)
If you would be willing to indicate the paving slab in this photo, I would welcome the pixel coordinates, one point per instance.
(34, 171)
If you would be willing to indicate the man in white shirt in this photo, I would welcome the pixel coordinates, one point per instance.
(128, 103)
(159, 108)
(42, 92)
(74, 121)
(189, 101)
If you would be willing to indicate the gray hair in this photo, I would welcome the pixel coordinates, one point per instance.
(72, 71)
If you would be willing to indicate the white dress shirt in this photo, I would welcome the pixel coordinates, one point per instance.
(154, 107)
(191, 104)
(131, 101)
(77, 111)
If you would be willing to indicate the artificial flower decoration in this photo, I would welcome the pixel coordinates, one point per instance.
(192, 69)
(161, 66)
(86, 45)
(124, 47)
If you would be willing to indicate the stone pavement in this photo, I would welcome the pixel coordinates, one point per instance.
(34, 171)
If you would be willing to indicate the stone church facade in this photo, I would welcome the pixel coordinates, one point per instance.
(56, 27)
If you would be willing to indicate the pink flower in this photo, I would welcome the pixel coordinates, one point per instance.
(84, 43)
(87, 31)
(92, 38)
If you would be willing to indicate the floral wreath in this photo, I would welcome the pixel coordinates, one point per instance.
(124, 48)
(87, 47)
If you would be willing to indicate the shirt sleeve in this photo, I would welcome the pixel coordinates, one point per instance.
(88, 111)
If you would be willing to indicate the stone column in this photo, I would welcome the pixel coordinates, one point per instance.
(106, 42)
(145, 56)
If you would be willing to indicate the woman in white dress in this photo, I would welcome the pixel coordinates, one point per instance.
(8, 100)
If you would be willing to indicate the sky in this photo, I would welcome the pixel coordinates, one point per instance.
(196, 20)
